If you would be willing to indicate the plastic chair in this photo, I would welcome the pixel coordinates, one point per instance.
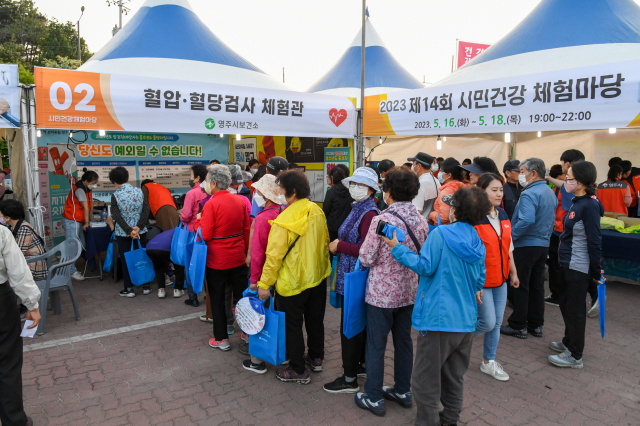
(58, 278)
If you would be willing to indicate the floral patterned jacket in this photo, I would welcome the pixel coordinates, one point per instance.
(390, 284)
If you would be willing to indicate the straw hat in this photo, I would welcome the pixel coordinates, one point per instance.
(268, 188)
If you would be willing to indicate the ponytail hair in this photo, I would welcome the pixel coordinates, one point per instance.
(614, 172)
(585, 173)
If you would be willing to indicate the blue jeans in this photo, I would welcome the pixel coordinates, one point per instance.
(73, 229)
(490, 315)
(381, 321)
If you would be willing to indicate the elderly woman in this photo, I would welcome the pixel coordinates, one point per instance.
(297, 264)
(130, 213)
(30, 243)
(362, 187)
(390, 294)
(452, 275)
(225, 227)
(192, 199)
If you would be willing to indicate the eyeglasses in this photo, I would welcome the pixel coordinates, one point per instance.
(354, 184)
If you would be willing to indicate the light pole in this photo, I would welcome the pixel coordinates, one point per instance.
(79, 51)
(121, 8)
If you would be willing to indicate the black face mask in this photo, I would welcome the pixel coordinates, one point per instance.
(192, 183)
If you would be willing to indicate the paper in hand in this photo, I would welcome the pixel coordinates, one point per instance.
(28, 332)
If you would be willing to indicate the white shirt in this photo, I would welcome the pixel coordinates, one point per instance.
(429, 190)
(19, 274)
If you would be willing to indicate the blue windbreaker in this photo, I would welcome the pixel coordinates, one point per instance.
(451, 268)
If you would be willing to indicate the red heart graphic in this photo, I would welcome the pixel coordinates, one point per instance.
(337, 116)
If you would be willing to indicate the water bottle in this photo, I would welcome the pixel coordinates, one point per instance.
(104, 215)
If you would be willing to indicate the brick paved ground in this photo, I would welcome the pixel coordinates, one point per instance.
(168, 375)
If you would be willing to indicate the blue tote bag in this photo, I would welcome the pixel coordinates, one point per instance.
(178, 241)
(197, 263)
(355, 313)
(270, 344)
(139, 265)
(108, 259)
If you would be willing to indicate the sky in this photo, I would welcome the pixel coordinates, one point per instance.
(308, 37)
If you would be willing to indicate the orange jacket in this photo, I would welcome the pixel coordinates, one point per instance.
(159, 196)
(440, 208)
(615, 196)
(497, 261)
(560, 213)
(73, 209)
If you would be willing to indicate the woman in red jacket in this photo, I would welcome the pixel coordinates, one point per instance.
(495, 232)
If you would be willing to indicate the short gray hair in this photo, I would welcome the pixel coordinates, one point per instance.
(219, 173)
(536, 164)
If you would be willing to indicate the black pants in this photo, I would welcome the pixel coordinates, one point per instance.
(216, 279)
(556, 273)
(574, 310)
(124, 246)
(11, 408)
(528, 299)
(442, 359)
(353, 350)
(307, 307)
(160, 259)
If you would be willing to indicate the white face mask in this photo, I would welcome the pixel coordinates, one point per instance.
(92, 187)
(232, 190)
(413, 169)
(435, 167)
(253, 171)
(522, 180)
(282, 199)
(260, 201)
(384, 198)
(359, 193)
(207, 187)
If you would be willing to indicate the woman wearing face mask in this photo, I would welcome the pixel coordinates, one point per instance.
(77, 211)
(194, 196)
(495, 233)
(579, 255)
(452, 180)
(363, 185)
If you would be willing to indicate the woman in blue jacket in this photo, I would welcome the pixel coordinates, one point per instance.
(451, 265)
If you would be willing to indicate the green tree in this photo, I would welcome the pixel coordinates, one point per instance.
(25, 76)
(62, 62)
(24, 26)
(62, 40)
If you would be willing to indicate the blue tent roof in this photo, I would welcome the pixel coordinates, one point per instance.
(165, 38)
(566, 23)
(381, 68)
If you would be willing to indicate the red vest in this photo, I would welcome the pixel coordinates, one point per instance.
(72, 208)
(497, 246)
(611, 195)
(635, 187)
(560, 213)
(159, 196)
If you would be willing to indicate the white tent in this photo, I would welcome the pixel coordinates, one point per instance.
(166, 39)
(556, 35)
(383, 73)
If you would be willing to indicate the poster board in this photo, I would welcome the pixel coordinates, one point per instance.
(9, 96)
(333, 157)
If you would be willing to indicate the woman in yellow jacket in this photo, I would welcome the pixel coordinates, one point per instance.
(298, 264)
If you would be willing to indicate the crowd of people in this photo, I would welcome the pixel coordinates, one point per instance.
(466, 241)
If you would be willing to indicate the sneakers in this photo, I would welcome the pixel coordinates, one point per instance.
(168, 280)
(161, 293)
(340, 385)
(315, 364)
(404, 399)
(243, 348)
(192, 302)
(565, 360)
(362, 371)
(77, 276)
(256, 368)
(550, 300)
(204, 318)
(558, 346)
(128, 293)
(223, 345)
(508, 331)
(495, 370)
(535, 332)
(230, 329)
(146, 290)
(594, 310)
(244, 337)
(289, 375)
(376, 407)
(177, 293)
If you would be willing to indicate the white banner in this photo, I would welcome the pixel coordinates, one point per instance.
(9, 96)
(81, 100)
(596, 97)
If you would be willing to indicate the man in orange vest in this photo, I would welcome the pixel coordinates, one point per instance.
(161, 203)
(77, 212)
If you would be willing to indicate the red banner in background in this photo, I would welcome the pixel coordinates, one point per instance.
(467, 51)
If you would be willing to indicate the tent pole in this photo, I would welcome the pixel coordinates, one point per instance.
(360, 146)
